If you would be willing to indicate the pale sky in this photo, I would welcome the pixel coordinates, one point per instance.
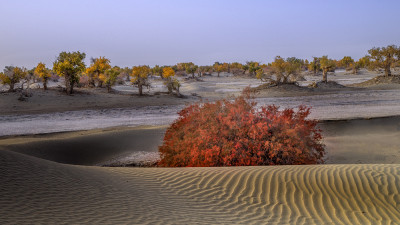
(204, 31)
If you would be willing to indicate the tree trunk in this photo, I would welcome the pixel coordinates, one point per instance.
(108, 88)
(193, 75)
(140, 89)
(177, 91)
(387, 71)
(71, 89)
(11, 87)
(218, 73)
(355, 70)
(325, 75)
(285, 79)
(45, 83)
(27, 87)
(91, 81)
(68, 84)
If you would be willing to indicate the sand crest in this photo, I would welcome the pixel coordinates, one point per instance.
(39, 191)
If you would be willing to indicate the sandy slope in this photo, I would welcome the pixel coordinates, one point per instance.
(359, 141)
(39, 191)
(92, 147)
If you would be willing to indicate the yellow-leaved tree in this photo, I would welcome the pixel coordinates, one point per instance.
(70, 66)
(252, 67)
(42, 72)
(140, 76)
(236, 68)
(109, 77)
(314, 66)
(285, 71)
(11, 76)
(220, 67)
(157, 71)
(346, 62)
(98, 66)
(384, 58)
(204, 70)
(170, 81)
(326, 65)
(191, 68)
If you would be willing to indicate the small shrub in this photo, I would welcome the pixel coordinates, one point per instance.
(236, 133)
(170, 82)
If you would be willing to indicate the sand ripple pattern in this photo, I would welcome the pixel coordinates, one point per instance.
(38, 191)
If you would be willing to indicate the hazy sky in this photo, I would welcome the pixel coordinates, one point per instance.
(203, 31)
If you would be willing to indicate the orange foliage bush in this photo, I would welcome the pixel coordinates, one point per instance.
(236, 133)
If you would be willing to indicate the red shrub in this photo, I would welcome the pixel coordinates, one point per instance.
(236, 133)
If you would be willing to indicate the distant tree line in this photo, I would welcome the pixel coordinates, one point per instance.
(100, 73)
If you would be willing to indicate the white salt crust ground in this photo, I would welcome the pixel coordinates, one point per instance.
(344, 105)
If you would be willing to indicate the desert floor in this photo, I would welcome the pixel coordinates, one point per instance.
(52, 147)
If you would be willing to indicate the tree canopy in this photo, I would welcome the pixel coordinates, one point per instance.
(170, 81)
(315, 65)
(384, 58)
(12, 75)
(109, 77)
(346, 62)
(285, 71)
(69, 65)
(43, 73)
(97, 68)
(252, 67)
(191, 68)
(326, 65)
(140, 75)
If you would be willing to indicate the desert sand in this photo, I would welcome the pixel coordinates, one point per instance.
(92, 147)
(39, 191)
(50, 160)
(347, 142)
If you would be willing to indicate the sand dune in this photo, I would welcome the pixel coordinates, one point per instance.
(39, 191)
(90, 147)
(372, 141)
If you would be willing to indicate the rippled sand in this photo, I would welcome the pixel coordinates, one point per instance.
(38, 191)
